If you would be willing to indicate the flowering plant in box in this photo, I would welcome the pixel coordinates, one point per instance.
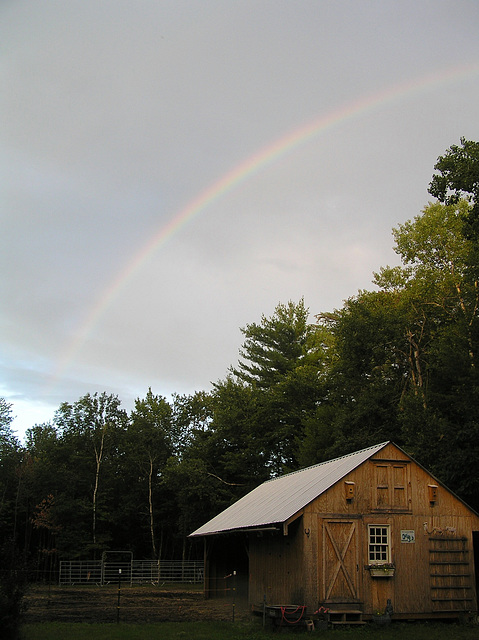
(385, 569)
(384, 566)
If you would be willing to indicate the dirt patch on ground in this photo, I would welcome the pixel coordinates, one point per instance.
(136, 604)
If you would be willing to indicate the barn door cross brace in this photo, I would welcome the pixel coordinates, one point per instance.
(340, 565)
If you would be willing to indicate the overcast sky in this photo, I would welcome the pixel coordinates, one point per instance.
(119, 115)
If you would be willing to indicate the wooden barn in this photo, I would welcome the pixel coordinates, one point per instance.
(350, 535)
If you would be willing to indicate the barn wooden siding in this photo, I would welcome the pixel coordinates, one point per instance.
(278, 567)
(324, 558)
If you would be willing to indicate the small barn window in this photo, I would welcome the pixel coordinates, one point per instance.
(392, 487)
(379, 544)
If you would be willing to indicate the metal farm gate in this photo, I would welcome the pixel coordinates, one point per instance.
(107, 571)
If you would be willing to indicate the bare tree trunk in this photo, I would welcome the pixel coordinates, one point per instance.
(150, 504)
(415, 367)
(462, 304)
(98, 458)
(17, 499)
(183, 556)
(160, 550)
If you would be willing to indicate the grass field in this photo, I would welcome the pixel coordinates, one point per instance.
(181, 613)
(237, 631)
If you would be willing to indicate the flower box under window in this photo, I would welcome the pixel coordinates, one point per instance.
(382, 570)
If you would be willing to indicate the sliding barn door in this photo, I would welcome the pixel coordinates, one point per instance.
(340, 561)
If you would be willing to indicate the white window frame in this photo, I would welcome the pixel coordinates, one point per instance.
(379, 544)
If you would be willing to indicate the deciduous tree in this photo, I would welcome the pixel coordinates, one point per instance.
(458, 177)
(92, 424)
(149, 446)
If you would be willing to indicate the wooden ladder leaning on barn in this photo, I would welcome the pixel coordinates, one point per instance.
(450, 574)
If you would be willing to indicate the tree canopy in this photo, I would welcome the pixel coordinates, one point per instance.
(458, 177)
(457, 174)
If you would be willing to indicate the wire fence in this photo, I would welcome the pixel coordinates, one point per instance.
(102, 572)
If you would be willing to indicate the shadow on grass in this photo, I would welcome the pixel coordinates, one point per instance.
(163, 630)
(238, 631)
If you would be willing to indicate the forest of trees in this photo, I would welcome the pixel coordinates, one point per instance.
(398, 363)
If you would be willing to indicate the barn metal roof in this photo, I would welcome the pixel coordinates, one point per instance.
(279, 499)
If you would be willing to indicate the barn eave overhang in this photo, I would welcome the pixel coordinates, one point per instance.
(270, 528)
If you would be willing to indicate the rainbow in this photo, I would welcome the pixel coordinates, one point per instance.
(240, 173)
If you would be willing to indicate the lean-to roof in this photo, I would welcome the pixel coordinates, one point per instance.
(279, 499)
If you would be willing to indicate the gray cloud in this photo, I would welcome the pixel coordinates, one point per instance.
(119, 114)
